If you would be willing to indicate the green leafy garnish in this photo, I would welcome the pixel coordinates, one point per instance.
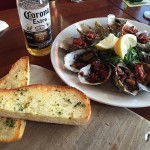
(131, 57)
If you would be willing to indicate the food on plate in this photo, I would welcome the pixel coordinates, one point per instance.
(145, 57)
(129, 28)
(76, 60)
(46, 103)
(95, 73)
(13, 129)
(88, 38)
(142, 73)
(117, 42)
(107, 43)
(124, 43)
(125, 80)
(143, 37)
(115, 25)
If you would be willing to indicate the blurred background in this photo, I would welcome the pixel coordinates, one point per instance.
(7, 4)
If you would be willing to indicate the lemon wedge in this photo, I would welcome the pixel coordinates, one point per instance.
(107, 43)
(124, 43)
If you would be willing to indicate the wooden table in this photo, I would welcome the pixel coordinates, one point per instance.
(63, 14)
(135, 12)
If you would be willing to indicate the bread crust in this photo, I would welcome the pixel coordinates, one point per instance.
(11, 81)
(16, 134)
(44, 91)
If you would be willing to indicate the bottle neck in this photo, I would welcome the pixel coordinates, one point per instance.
(32, 4)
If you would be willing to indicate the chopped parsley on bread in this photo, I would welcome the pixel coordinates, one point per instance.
(18, 76)
(43, 103)
(46, 103)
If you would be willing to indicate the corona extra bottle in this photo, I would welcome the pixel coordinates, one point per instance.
(35, 20)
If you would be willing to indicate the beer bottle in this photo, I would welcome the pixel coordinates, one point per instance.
(35, 20)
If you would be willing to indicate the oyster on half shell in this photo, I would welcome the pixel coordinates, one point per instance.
(76, 60)
(145, 57)
(66, 43)
(129, 28)
(95, 73)
(85, 40)
(143, 37)
(83, 28)
(100, 30)
(142, 73)
(115, 25)
(125, 80)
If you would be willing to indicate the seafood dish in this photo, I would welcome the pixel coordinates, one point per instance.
(118, 52)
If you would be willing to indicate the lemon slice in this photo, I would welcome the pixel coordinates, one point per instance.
(107, 43)
(124, 43)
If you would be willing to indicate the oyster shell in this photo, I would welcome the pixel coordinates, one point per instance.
(73, 44)
(142, 73)
(115, 25)
(100, 30)
(144, 31)
(143, 37)
(86, 39)
(129, 28)
(125, 80)
(83, 28)
(143, 47)
(145, 57)
(95, 73)
(75, 60)
(90, 36)
(66, 43)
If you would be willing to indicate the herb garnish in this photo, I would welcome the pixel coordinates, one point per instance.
(109, 56)
(20, 107)
(22, 91)
(67, 100)
(79, 104)
(60, 113)
(10, 122)
(131, 56)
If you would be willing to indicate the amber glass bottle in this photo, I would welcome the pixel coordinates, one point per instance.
(35, 20)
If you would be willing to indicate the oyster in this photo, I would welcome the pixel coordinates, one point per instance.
(75, 60)
(87, 38)
(129, 28)
(143, 47)
(83, 29)
(66, 43)
(142, 73)
(73, 44)
(100, 30)
(95, 73)
(115, 25)
(125, 80)
(90, 36)
(145, 57)
(143, 37)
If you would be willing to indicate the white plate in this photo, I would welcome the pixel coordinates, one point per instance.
(105, 93)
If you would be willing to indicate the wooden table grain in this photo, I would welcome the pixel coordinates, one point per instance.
(63, 14)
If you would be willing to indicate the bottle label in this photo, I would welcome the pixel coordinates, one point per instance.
(36, 25)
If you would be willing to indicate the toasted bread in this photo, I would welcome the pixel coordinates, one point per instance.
(18, 76)
(46, 103)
